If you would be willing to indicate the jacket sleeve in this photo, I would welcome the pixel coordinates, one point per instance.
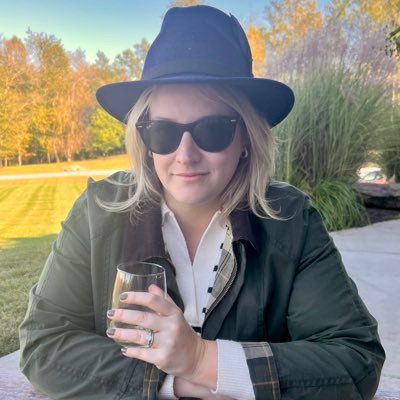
(335, 350)
(61, 354)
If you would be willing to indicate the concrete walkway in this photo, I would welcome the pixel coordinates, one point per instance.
(372, 258)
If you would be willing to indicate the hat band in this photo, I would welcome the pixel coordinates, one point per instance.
(194, 67)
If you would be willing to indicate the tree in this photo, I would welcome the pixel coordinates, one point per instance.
(256, 37)
(53, 79)
(184, 3)
(291, 21)
(129, 64)
(78, 104)
(106, 134)
(15, 99)
(103, 70)
(382, 12)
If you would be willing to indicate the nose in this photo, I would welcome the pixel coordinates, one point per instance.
(187, 152)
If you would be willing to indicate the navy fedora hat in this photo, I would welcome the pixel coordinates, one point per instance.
(200, 44)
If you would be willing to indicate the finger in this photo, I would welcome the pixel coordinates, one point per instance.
(149, 355)
(159, 292)
(141, 337)
(148, 320)
(156, 303)
(156, 290)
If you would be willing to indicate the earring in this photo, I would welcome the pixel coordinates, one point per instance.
(244, 153)
(150, 153)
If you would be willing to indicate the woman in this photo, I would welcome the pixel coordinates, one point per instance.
(260, 305)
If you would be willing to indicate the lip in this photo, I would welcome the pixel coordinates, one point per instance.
(190, 176)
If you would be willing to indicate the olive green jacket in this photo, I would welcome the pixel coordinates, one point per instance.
(280, 290)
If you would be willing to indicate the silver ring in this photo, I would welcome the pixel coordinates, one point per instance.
(150, 338)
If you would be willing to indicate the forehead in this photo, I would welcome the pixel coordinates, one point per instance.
(186, 103)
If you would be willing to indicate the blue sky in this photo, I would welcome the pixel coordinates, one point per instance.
(107, 25)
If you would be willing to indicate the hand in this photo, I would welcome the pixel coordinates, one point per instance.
(177, 349)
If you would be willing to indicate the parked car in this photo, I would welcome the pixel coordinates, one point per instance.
(375, 176)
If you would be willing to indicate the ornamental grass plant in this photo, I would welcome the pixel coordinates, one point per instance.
(387, 153)
(343, 113)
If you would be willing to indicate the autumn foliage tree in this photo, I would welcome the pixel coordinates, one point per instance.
(78, 105)
(291, 21)
(128, 65)
(53, 75)
(15, 99)
(48, 109)
(256, 37)
(184, 3)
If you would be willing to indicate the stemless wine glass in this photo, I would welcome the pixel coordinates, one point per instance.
(135, 277)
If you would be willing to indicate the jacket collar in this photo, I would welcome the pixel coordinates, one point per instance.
(143, 239)
(146, 230)
(244, 228)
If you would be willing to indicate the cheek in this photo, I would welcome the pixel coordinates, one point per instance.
(231, 156)
(160, 165)
(226, 165)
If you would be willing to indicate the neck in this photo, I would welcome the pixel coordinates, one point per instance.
(196, 216)
(193, 222)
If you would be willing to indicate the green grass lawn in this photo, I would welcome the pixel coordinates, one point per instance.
(20, 267)
(30, 214)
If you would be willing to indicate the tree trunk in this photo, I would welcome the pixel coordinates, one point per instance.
(48, 157)
(68, 140)
(55, 152)
(19, 157)
(69, 156)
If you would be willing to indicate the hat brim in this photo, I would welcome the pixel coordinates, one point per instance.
(273, 99)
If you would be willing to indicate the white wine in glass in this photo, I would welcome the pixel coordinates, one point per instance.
(135, 277)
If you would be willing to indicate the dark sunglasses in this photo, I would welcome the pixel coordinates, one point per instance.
(213, 134)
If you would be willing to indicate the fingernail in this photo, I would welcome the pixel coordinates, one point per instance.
(123, 296)
(123, 350)
(110, 313)
(110, 332)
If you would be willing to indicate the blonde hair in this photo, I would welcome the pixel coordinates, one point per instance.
(247, 188)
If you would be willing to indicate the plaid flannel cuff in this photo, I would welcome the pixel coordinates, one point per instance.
(153, 379)
(263, 372)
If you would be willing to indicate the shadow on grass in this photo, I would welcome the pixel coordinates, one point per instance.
(21, 262)
(19, 252)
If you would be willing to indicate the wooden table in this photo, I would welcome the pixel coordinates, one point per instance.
(14, 385)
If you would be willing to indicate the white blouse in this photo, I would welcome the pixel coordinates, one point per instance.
(194, 281)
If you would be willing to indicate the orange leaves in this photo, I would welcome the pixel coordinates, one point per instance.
(257, 42)
(184, 3)
(291, 20)
(382, 11)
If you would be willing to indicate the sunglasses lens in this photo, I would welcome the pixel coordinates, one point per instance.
(161, 137)
(212, 134)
